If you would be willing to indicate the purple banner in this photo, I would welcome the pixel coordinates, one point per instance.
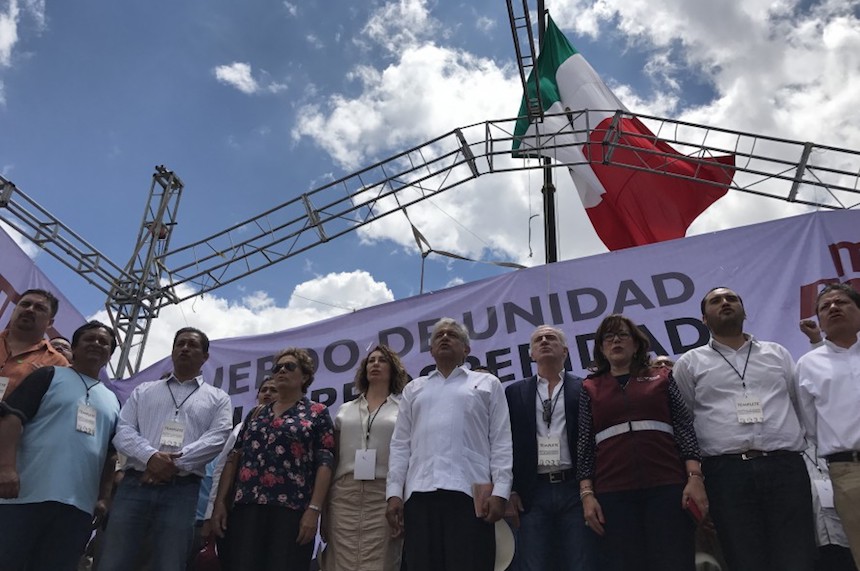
(18, 273)
(776, 267)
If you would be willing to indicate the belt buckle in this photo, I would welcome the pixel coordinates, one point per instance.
(751, 454)
(556, 477)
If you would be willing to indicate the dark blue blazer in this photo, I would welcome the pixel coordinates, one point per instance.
(522, 399)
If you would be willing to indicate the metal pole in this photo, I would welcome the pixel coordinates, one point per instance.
(548, 190)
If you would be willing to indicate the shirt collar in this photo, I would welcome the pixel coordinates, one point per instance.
(714, 344)
(834, 347)
(198, 379)
(543, 381)
(435, 372)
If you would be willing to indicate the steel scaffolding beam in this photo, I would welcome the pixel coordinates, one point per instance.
(800, 172)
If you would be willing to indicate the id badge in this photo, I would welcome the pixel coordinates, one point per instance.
(86, 419)
(825, 492)
(549, 451)
(173, 434)
(749, 409)
(4, 382)
(365, 464)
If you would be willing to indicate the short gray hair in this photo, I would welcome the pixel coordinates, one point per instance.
(561, 336)
(461, 330)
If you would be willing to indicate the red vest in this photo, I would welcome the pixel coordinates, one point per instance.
(636, 459)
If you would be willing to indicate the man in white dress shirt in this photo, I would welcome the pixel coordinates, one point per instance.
(743, 397)
(828, 380)
(452, 437)
(169, 429)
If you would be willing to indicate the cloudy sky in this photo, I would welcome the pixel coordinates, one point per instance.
(254, 103)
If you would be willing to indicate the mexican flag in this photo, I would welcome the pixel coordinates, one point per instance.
(656, 200)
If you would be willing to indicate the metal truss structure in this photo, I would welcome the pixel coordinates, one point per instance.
(799, 172)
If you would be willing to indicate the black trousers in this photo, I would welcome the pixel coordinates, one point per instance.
(263, 538)
(443, 534)
(762, 509)
(44, 536)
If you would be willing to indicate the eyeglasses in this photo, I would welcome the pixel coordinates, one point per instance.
(621, 335)
(290, 366)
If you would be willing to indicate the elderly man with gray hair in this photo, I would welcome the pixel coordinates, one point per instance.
(452, 440)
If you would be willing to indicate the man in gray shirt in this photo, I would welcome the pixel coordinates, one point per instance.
(742, 395)
(169, 429)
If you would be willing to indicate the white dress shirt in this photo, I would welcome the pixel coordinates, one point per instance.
(828, 379)
(206, 416)
(351, 429)
(451, 433)
(710, 387)
(558, 424)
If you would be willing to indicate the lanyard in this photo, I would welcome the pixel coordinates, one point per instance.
(179, 405)
(738, 373)
(86, 386)
(548, 411)
(370, 420)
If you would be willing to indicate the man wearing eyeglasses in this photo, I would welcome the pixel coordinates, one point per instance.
(742, 394)
(169, 429)
(544, 419)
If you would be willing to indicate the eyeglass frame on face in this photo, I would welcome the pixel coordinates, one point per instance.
(290, 366)
(622, 336)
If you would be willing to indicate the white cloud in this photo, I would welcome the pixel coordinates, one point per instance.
(8, 32)
(9, 21)
(485, 24)
(401, 24)
(786, 72)
(314, 41)
(314, 300)
(239, 75)
(24, 243)
(292, 9)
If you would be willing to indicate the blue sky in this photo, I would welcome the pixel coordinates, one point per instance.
(252, 103)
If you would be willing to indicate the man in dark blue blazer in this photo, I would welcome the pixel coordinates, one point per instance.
(544, 413)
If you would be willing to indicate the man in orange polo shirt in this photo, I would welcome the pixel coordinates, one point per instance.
(23, 347)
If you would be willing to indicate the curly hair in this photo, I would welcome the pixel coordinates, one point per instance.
(398, 379)
(612, 324)
(306, 363)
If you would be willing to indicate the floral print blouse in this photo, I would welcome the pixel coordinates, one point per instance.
(280, 455)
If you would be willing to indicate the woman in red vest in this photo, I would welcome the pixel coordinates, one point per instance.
(641, 483)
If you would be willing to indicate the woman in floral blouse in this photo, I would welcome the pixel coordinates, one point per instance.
(282, 468)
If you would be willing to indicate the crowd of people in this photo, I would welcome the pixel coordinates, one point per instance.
(735, 451)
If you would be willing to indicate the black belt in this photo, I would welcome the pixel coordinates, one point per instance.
(189, 479)
(558, 477)
(753, 454)
(853, 456)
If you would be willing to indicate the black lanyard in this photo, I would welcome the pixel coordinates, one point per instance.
(370, 420)
(86, 386)
(747, 362)
(547, 413)
(179, 405)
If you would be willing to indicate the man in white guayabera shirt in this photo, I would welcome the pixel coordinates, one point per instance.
(451, 440)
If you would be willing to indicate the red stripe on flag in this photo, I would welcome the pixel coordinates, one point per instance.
(647, 206)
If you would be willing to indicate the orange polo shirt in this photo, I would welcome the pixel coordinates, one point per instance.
(16, 367)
